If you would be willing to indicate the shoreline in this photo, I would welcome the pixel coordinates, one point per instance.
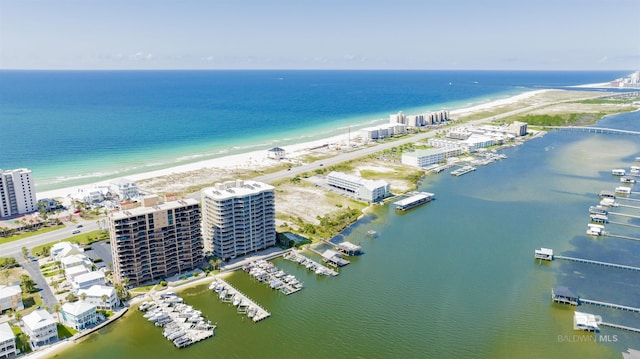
(257, 160)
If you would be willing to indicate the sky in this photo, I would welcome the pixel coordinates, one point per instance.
(320, 34)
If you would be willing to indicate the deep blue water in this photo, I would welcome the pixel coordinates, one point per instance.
(73, 127)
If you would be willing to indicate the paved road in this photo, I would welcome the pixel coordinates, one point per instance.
(48, 298)
(14, 249)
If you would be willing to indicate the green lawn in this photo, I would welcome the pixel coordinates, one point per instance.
(65, 332)
(22, 341)
(83, 239)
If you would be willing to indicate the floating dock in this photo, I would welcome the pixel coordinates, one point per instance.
(415, 200)
(254, 311)
(310, 264)
(463, 170)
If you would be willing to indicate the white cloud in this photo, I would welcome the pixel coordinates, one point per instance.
(141, 56)
(603, 59)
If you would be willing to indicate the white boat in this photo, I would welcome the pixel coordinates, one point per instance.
(585, 321)
(251, 312)
(236, 301)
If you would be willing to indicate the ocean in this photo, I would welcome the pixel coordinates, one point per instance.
(79, 127)
(449, 279)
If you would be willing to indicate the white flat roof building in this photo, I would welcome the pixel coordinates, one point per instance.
(238, 217)
(428, 157)
(40, 327)
(363, 189)
(17, 192)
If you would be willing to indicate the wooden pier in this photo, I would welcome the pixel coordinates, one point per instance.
(618, 326)
(598, 303)
(621, 236)
(623, 215)
(260, 313)
(599, 263)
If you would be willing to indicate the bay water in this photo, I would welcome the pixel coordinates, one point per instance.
(450, 279)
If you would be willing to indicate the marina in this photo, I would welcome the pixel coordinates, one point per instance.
(182, 325)
(462, 171)
(415, 200)
(227, 293)
(268, 273)
(310, 264)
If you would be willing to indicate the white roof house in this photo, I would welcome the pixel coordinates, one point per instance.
(7, 341)
(65, 249)
(124, 188)
(73, 272)
(40, 327)
(86, 280)
(74, 260)
(94, 296)
(79, 315)
(10, 298)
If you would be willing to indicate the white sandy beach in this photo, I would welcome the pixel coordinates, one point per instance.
(256, 160)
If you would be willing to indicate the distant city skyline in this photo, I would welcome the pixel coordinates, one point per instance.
(304, 34)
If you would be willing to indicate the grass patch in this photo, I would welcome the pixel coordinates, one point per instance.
(65, 332)
(82, 240)
(31, 301)
(52, 273)
(22, 341)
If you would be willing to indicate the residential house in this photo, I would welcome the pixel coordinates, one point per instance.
(95, 293)
(40, 327)
(10, 298)
(79, 315)
(7, 341)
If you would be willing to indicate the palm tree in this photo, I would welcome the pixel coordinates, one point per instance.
(18, 316)
(104, 300)
(83, 296)
(57, 308)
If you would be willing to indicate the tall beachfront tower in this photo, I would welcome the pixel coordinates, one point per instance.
(17, 192)
(155, 241)
(238, 217)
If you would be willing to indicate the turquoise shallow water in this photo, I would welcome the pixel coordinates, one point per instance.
(453, 278)
(80, 127)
